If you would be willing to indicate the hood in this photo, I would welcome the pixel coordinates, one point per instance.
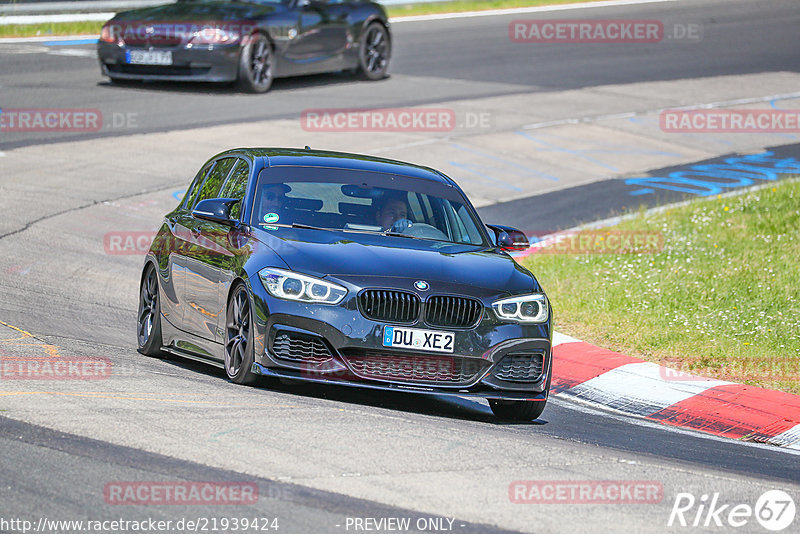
(361, 258)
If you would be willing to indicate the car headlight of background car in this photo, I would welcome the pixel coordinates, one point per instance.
(523, 308)
(214, 36)
(295, 286)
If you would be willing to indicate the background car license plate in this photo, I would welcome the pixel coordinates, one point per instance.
(409, 338)
(148, 57)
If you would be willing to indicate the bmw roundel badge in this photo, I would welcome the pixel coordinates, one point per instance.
(421, 285)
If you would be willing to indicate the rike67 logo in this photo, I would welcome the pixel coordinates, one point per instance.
(774, 510)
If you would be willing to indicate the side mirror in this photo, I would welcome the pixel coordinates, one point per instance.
(509, 239)
(216, 210)
(310, 4)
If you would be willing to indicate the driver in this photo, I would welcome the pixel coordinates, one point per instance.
(391, 208)
(273, 200)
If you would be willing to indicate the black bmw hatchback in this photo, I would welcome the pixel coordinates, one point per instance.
(347, 269)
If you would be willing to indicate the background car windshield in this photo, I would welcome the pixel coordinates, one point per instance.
(354, 201)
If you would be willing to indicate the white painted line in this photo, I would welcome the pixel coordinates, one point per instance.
(789, 439)
(560, 339)
(524, 10)
(629, 114)
(68, 17)
(73, 52)
(640, 388)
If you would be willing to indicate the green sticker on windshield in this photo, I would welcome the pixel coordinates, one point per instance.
(268, 227)
(271, 218)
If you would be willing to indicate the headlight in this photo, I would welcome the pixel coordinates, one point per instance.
(107, 34)
(295, 286)
(214, 36)
(524, 308)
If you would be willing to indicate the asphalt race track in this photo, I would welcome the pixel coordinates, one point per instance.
(322, 457)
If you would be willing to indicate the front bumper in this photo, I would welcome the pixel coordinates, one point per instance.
(208, 63)
(343, 336)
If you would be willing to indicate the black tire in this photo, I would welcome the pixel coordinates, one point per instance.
(148, 324)
(374, 52)
(256, 65)
(522, 410)
(239, 350)
(517, 410)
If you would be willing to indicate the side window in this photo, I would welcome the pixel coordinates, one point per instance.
(236, 186)
(215, 178)
(191, 194)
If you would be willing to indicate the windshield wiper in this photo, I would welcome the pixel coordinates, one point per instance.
(398, 234)
(308, 226)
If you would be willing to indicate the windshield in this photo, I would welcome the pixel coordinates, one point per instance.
(359, 201)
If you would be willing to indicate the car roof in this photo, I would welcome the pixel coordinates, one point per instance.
(299, 157)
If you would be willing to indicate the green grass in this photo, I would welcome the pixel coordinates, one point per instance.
(93, 28)
(469, 5)
(721, 299)
(51, 28)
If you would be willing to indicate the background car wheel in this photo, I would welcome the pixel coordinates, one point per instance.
(256, 65)
(239, 353)
(374, 52)
(148, 329)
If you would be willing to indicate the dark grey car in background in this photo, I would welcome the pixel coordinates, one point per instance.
(247, 41)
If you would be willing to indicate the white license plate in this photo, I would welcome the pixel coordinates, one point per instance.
(410, 338)
(148, 57)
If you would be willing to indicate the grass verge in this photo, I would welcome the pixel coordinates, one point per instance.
(93, 27)
(721, 299)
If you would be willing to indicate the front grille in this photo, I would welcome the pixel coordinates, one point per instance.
(520, 367)
(158, 37)
(300, 348)
(389, 306)
(455, 312)
(166, 42)
(422, 368)
(156, 70)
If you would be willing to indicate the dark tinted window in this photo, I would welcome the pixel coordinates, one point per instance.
(215, 179)
(191, 194)
(236, 186)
